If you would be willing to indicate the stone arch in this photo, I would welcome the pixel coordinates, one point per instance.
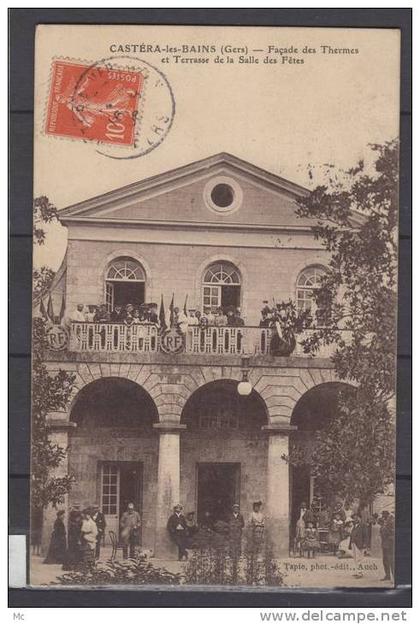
(113, 402)
(281, 391)
(314, 410)
(87, 372)
(223, 384)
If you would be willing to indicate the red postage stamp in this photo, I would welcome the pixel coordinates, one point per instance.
(94, 103)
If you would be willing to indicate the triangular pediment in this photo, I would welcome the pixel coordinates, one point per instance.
(183, 196)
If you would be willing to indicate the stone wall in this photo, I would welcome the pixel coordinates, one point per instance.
(88, 452)
(178, 269)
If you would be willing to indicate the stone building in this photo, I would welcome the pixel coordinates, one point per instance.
(160, 421)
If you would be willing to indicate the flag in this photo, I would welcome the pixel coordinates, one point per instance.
(185, 306)
(171, 310)
(42, 309)
(50, 310)
(63, 308)
(162, 315)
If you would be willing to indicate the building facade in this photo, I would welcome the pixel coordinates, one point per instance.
(158, 419)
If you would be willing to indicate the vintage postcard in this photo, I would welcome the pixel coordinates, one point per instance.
(214, 306)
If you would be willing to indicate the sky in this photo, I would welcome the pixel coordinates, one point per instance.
(279, 116)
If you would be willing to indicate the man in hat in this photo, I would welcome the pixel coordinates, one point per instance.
(236, 525)
(99, 519)
(130, 530)
(178, 530)
(387, 532)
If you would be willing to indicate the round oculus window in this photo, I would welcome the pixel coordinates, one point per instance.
(223, 194)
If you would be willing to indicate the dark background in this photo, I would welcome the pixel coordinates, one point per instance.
(22, 23)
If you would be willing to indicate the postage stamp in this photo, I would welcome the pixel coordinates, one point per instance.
(104, 103)
(95, 104)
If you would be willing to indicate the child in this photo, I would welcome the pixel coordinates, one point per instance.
(310, 544)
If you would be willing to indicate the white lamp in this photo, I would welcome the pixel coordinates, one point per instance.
(244, 387)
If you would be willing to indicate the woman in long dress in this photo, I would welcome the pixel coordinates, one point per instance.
(257, 522)
(58, 544)
(300, 533)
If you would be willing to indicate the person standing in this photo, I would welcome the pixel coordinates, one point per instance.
(335, 533)
(366, 520)
(74, 552)
(89, 534)
(178, 530)
(236, 525)
(311, 544)
(357, 544)
(99, 519)
(116, 315)
(300, 531)
(387, 532)
(257, 524)
(130, 531)
(220, 320)
(79, 315)
(58, 544)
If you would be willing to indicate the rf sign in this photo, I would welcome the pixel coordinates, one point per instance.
(172, 341)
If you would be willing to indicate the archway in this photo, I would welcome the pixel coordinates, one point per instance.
(223, 450)
(311, 414)
(113, 450)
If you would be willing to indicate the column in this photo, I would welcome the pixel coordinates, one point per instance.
(168, 486)
(59, 429)
(277, 507)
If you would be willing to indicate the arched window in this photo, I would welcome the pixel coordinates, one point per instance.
(221, 286)
(308, 281)
(125, 283)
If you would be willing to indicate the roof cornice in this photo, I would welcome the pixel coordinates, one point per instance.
(198, 225)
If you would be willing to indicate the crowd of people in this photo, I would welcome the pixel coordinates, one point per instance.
(147, 313)
(220, 533)
(340, 533)
(333, 528)
(79, 544)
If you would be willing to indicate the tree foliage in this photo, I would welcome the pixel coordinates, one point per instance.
(41, 281)
(43, 212)
(356, 221)
(50, 392)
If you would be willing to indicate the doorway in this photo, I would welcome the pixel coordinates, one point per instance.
(231, 297)
(121, 483)
(218, 488)
(121, 293)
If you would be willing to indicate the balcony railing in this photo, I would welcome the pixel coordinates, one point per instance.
(114, 337)
(146, 338)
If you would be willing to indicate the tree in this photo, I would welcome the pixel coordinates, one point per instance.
(43, 212)
(41, 281)
(356, 219)
(49, 392)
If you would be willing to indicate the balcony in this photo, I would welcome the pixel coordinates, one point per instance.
(146, 338)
